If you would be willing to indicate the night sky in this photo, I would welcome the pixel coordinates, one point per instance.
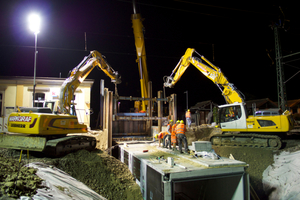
(234, 37)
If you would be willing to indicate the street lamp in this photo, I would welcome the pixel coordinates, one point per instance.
(34, 26)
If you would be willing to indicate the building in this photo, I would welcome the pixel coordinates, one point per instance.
(200, 112)
(294, 105)
(258, 104)
(18, 91)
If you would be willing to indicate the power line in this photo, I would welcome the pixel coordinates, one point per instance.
(83, 50)
(176, 9)
(201, 4)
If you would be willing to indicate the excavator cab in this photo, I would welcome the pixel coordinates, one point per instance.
(232, 116)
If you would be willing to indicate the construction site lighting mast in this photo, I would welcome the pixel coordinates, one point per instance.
(34, 26)
(138, 31)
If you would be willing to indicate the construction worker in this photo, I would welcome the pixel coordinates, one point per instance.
(161, 136)
(173, 135)
(167, 137)
(188, 118)
(180, 134)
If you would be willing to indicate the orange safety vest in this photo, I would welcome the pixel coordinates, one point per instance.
(173, 134)
(170, 129)
(180, 129)
(188, 114)
(162, 134)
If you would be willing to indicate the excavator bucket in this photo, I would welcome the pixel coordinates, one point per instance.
(22, 142)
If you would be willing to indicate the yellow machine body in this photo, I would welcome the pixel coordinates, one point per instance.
(141, 56)
(233, 116)
(44, 124)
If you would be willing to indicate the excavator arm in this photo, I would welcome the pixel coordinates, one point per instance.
(229, 91)
(78, 75)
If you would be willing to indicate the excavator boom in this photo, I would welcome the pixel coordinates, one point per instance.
(229, 91)
(79, 74)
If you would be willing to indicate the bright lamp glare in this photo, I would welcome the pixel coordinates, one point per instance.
(34, 23)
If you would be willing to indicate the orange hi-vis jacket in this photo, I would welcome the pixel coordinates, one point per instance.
(180, 129)
(162, 134)
(170, 128)
(173, 134)
(188, 114)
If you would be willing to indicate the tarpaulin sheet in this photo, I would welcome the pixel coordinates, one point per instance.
(60, 185)
(282, 178)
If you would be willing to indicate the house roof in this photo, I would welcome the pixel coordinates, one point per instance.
(203, 105)
(292, 103)
(260, 102)
(27, 80)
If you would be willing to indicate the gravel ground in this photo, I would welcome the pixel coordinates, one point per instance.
(258, 159)
(101, 172)
(111, 178)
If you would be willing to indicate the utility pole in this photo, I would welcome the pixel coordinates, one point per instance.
(187, 99)
(281, 89)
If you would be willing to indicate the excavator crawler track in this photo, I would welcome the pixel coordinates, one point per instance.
(62, 146)
(271, 142)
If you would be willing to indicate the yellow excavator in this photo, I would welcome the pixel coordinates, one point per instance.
(262, 129)
(38, 129)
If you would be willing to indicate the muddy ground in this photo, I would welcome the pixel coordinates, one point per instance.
(258, 159)
(99, 171)
(111, 178)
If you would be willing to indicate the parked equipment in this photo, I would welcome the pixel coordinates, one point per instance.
(39, 129)
(245, 130)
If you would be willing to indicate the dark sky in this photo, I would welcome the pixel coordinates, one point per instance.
(234, 37)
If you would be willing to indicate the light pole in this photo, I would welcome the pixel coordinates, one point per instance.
(34, 26)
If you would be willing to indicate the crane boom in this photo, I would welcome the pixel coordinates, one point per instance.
(138, 29)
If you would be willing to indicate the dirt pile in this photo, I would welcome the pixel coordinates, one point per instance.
(258, 159)
(16, 180)
(201, 133)
(99, 171)
(102, 173)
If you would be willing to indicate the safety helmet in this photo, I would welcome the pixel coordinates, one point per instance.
(171, 121)
(178, 121)
(189, 110)
(181, 122)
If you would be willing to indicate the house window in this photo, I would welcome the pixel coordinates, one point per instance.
(39, 100)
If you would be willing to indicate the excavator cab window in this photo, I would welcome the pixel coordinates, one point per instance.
(230, 113)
